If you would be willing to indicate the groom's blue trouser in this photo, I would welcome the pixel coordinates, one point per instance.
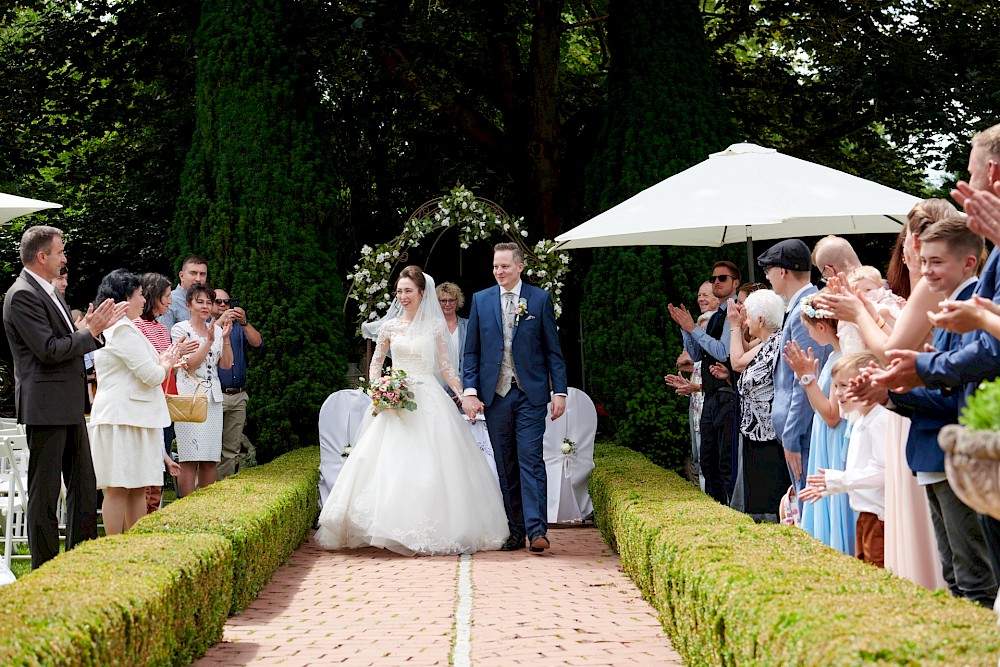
(516, 428)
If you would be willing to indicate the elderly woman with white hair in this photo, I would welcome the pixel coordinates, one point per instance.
(765, 475)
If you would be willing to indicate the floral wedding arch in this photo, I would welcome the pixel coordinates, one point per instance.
(476, 220)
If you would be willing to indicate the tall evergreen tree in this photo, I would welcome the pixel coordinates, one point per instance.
(257, 200)
(665, 114)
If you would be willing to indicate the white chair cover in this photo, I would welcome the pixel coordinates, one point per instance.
(568, 496)
(340, 419)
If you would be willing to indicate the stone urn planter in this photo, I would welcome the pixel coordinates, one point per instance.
(972, 461)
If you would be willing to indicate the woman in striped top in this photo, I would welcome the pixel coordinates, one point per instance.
(156, 290)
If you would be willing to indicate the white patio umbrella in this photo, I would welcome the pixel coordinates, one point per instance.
(12, 206)
(746, 192)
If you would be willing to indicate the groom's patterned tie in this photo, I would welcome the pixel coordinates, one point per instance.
(507, 366)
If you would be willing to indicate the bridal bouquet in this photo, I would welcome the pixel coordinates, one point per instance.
(391, 392)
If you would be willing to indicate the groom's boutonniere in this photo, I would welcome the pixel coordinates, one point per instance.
(522, 309)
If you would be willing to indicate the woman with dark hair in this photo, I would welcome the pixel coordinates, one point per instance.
(129, 411)
(156, 289)
(199, 445)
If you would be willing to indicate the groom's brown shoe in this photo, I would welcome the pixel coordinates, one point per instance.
(539, 542)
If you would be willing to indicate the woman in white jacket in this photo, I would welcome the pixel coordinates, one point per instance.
(129, 411)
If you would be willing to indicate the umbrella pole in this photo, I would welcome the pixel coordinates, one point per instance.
(750, 260)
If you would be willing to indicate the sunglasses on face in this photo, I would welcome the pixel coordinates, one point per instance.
(723, 278)
(223, 302)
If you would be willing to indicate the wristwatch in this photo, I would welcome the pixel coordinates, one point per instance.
(807, 379)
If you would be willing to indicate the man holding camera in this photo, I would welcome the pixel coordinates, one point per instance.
(233, 380)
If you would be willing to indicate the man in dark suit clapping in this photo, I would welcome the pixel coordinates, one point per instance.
(51, 392)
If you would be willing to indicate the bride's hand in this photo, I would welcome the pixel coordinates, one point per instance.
(472, 406)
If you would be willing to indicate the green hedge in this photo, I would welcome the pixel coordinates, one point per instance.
(122, 600)
(732, 592)
(264, 512)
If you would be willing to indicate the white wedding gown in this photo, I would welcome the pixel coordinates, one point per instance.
(415, 481)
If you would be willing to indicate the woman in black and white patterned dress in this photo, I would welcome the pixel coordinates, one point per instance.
(765, 474)
(199, 445)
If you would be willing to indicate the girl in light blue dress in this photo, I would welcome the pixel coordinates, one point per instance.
(830, 520)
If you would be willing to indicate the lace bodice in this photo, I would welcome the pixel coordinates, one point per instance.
(418, 353)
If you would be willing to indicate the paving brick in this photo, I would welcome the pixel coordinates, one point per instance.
(571, 605)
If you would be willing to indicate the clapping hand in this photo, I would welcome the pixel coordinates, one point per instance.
(681, 385)
(187, 347)
(719, 371)
(862, 390)
(98, 319)
(684, 362)
(169, 357)
(842, 301)
(681, 316)
(737, 315)
(900, 376)
(963, 316)
(983, 208)
(801, 363)
(227, 327)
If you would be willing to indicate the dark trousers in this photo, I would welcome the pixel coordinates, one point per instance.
(965, 560)
(516, 428)
(57, 453)
(717, 444)
(991, 531)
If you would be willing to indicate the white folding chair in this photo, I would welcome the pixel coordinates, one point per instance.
(567, 474)
(340, 420)
(13, 493)
(10, 423)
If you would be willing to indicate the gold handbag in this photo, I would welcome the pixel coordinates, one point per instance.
(189, 407)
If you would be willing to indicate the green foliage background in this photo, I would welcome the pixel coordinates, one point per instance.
(526, 102)
(258, 198)
(664, 115)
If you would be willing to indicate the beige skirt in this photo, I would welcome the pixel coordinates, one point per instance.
(129, 457)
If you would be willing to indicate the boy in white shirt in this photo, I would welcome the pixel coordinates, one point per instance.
(864, 476)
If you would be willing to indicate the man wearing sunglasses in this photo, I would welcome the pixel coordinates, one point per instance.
(233, 379)
(711, 346)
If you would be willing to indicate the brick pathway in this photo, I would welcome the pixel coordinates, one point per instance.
(569, 606)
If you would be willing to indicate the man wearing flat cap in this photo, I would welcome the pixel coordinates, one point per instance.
(788, 267)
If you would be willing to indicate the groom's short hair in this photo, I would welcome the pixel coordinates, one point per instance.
(513, 248)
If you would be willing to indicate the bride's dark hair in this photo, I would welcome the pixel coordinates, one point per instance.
(416, 274)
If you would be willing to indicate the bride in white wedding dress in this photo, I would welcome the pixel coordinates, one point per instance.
(415, 481)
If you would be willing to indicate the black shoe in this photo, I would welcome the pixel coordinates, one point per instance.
(539, 543)
(513, 543)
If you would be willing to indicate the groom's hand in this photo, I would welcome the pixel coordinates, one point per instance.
(558, 407)
(472, 406)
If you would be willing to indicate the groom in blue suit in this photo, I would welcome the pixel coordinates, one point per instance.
(512, 360)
